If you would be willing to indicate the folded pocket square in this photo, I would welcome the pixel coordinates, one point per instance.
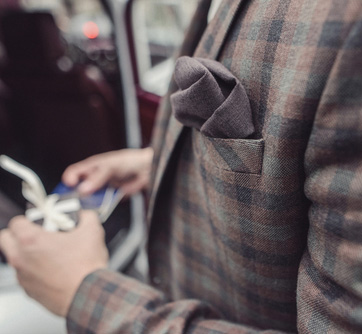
(211, 99)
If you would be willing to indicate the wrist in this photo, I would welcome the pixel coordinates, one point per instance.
(68, 295)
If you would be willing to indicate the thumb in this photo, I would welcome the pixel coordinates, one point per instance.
(94, 182)
(88, 222)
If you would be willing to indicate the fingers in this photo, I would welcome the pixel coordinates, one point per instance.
(74, 173)
(51, 265)
(23, 229)
(94, 181)
(115, 166)
(137, 184)
(89, 223)
(90, 229)
(21, 232)
(92, 174)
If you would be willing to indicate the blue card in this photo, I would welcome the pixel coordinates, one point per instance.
(103, 201)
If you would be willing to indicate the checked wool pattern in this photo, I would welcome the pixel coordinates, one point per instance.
(264, 234)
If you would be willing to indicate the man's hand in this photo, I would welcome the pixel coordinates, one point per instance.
(50, 266)
(129, 169)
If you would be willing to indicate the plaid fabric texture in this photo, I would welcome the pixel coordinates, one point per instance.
(274, 246)
(192, 38)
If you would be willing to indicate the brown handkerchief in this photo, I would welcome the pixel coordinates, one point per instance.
(211, 99)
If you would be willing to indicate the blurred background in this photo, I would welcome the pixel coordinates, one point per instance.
(77, 78)
(62, 94)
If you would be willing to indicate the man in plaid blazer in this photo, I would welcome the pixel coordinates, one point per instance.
(247, 235)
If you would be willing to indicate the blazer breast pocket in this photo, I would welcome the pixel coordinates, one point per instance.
(229, 155)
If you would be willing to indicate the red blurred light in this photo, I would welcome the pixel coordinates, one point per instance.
(90, 30)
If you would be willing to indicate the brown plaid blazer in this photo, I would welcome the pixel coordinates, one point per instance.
(257, 235)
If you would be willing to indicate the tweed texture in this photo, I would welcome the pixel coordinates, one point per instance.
(211, 99)
(257, 235)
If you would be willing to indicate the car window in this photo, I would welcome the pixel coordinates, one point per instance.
(76, 19)
(158, 27)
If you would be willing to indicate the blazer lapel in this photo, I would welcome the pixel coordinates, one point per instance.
(215, 34)
(209, 47)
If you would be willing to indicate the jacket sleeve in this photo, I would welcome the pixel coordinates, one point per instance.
(108, 302)
(330, 275)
